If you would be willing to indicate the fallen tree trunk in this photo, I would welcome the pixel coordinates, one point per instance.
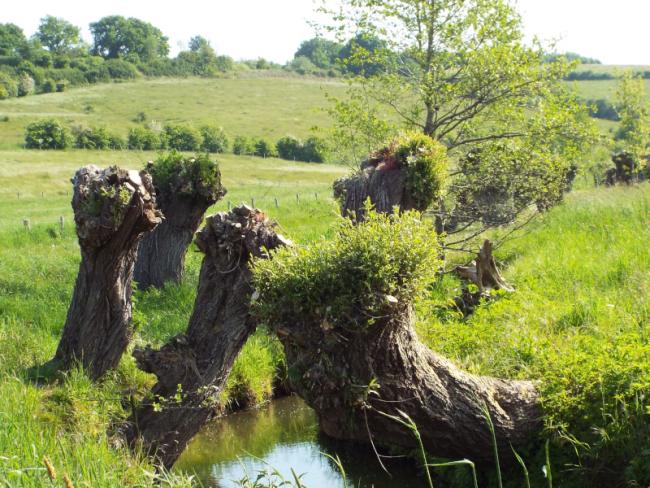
(351, 377)
(183, 195)
(113, 208)
(193, 367)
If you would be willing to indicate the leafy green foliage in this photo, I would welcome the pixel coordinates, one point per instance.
(143, 138)
(426, 164)
(633, 135)
(181, 138)
(197, 176)
(243, 145)
(214, 139)
(115, 36)
(47, 134)
(312, 150)
(58, 35)
(92, 138)
(348, 279)
(265, 148)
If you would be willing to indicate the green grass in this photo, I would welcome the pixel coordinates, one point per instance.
(68, 421)
(261, 107)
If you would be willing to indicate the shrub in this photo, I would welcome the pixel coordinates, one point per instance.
(116, 142)
(190, 176)
(143, 139)
(49, 86)
(92, 138)
(119, 69)
(265, 148)
(61, 86)
(47, 134)
(8, 86)
(314, 150)
(26, 85)
(289, 148)
(351, 275)
(243, 145)
(426, 163)
(215, 139)
(181, 138)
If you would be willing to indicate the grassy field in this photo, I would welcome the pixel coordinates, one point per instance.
(261, 107)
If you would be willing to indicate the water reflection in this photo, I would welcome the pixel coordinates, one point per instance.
(284, 435)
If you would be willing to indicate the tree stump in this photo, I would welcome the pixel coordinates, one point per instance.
(193, 367)
(484, 272)
(383, 184)
(184, 198)
(113, 208)
(350, 376)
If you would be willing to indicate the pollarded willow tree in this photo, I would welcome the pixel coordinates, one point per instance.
(460, 72)
(343, 309)
(185, 189)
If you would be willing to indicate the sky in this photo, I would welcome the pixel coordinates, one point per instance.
(612, 31)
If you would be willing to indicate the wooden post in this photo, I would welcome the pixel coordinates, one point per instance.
(316, 195)
(27, 225)
(18, 195)
(277, 204)
(61, 223)
(253, 202)
(297, 197)
(229, 205)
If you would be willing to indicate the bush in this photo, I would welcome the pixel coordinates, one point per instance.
(289, 147)
(190, 176)
(181, 138)
(143, 139)
(92, 138)
(47, 134)
(313, 150)
(243, 145)
(116, 142)
(26, 85)
(8, 86)
(61, 86)
(49, 86)
(347, 279)
(215, 139)
(118, 69)
(265, 148)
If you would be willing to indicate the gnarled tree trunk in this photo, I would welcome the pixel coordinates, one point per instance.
(484, 272)
(161, 255)
(113, 208)
(348, 377)
(383, 184)
(193, 367)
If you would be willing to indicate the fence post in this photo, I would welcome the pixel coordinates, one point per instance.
(27, 225)
(18, 195)
(316, 195)
(297, 197)
(61, 223)
(253, 202)
(277, 205)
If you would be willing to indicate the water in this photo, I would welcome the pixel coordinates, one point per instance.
(284, 435)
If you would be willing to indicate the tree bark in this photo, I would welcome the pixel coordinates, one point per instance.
(349, 377)
(113, 208)
(484, 272)
(381, 182)
(161, 255)
(193, 367)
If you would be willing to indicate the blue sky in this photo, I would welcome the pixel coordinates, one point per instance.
(613, 31)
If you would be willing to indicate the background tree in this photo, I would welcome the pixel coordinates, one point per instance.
(116, 36)
(323, 53)
(12, 40)
(460, 72)
(57, 34)
(632, 107)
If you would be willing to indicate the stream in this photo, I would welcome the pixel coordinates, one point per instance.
(282, 435)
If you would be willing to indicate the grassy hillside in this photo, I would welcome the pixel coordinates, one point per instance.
(263, 107)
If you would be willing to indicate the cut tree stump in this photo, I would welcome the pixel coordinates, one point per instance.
(484, 272)
(193, 367)
(352, 377)
(161, 255)
(383, 184)
(113, 208)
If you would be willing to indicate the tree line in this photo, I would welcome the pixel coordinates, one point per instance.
(52, 134)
